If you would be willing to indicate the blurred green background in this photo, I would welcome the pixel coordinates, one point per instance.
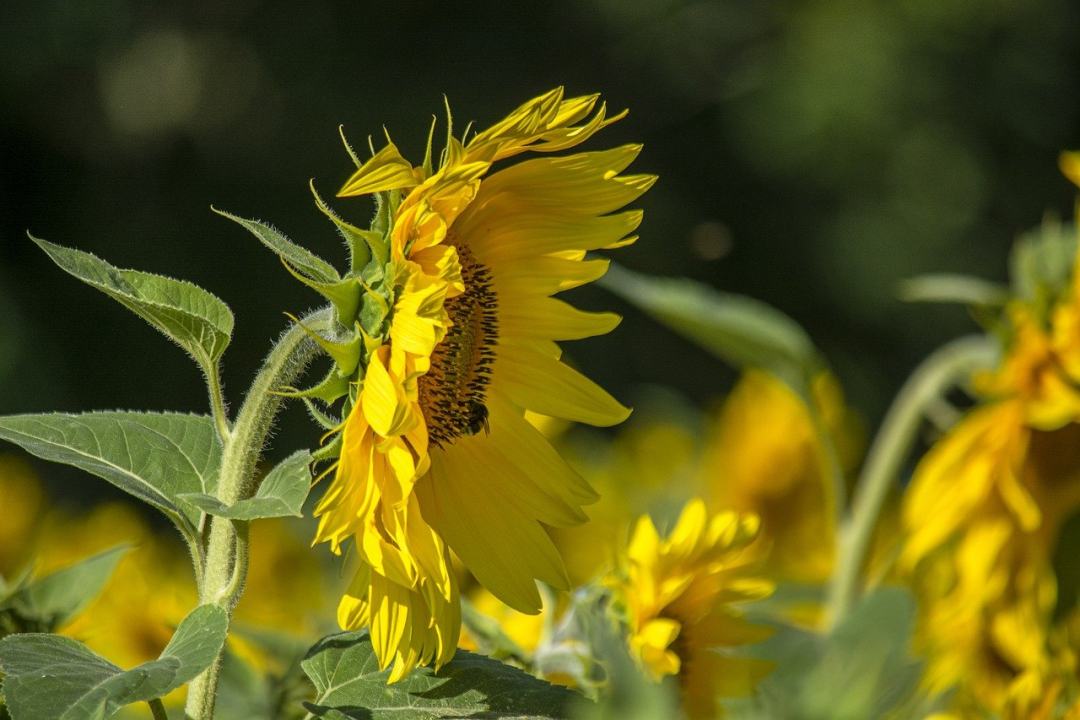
(811, 154)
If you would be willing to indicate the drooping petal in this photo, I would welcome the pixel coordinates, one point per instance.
(543, 384)
(386, 170)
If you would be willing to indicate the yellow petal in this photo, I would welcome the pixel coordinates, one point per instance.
(386, 170)
(383, 398)
(504, 549)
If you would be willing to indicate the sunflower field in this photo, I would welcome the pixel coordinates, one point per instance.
(449, 481)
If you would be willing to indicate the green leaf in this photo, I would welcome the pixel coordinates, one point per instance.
(281, 494)
(862, 669)
(738, 329)
(48, 676)
(949, 288)
(54, 599)
(196, 643)
(300, 258)
(153, 456)
(195, 319)
(349, 685)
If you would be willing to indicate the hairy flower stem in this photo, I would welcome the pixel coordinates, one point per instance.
(225, 567)
(948, 366)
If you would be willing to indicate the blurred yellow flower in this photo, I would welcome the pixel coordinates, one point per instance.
(766, 455)
(983, 514)
(437, 454)
(632, 472)
(22, 500)
(524, 630)
(681, 594)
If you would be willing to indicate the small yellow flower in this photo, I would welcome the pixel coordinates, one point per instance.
(437, 455)
(681, 593)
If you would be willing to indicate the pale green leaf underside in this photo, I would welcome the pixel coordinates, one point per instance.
(61, 595)
(195, 319)
(154, 456)
(48, 676)
(281, 494)
(861, 669)
(305, 261)
(951, 288)
(350, 685)
(738, 329)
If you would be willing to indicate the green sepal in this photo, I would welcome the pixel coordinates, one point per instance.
(330, 451)
(349, 148)
(308, 263)
(1041, 264)
(360, 242)
(428, 170)
(374, 309)
(321, 418)
(373, 274)
(333, 387)
(343, 294)
(381, 225)
(346, 355)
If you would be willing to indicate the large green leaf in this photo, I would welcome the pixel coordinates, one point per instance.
(49, 602)
(350, 685)
(48, 676)
(738, 329)
(197, 320)
(153, 456)
(281, 493)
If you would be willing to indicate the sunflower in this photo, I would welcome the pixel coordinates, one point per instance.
(459, 331)
(681, 595)
(984, 511)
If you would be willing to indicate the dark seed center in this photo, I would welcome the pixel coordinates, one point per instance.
(454, 390)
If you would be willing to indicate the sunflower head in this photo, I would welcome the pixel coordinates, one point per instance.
(447, 334)
(681, 595)
(987, 503)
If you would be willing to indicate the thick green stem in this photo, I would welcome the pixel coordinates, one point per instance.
(225, 565)
(948, 366)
